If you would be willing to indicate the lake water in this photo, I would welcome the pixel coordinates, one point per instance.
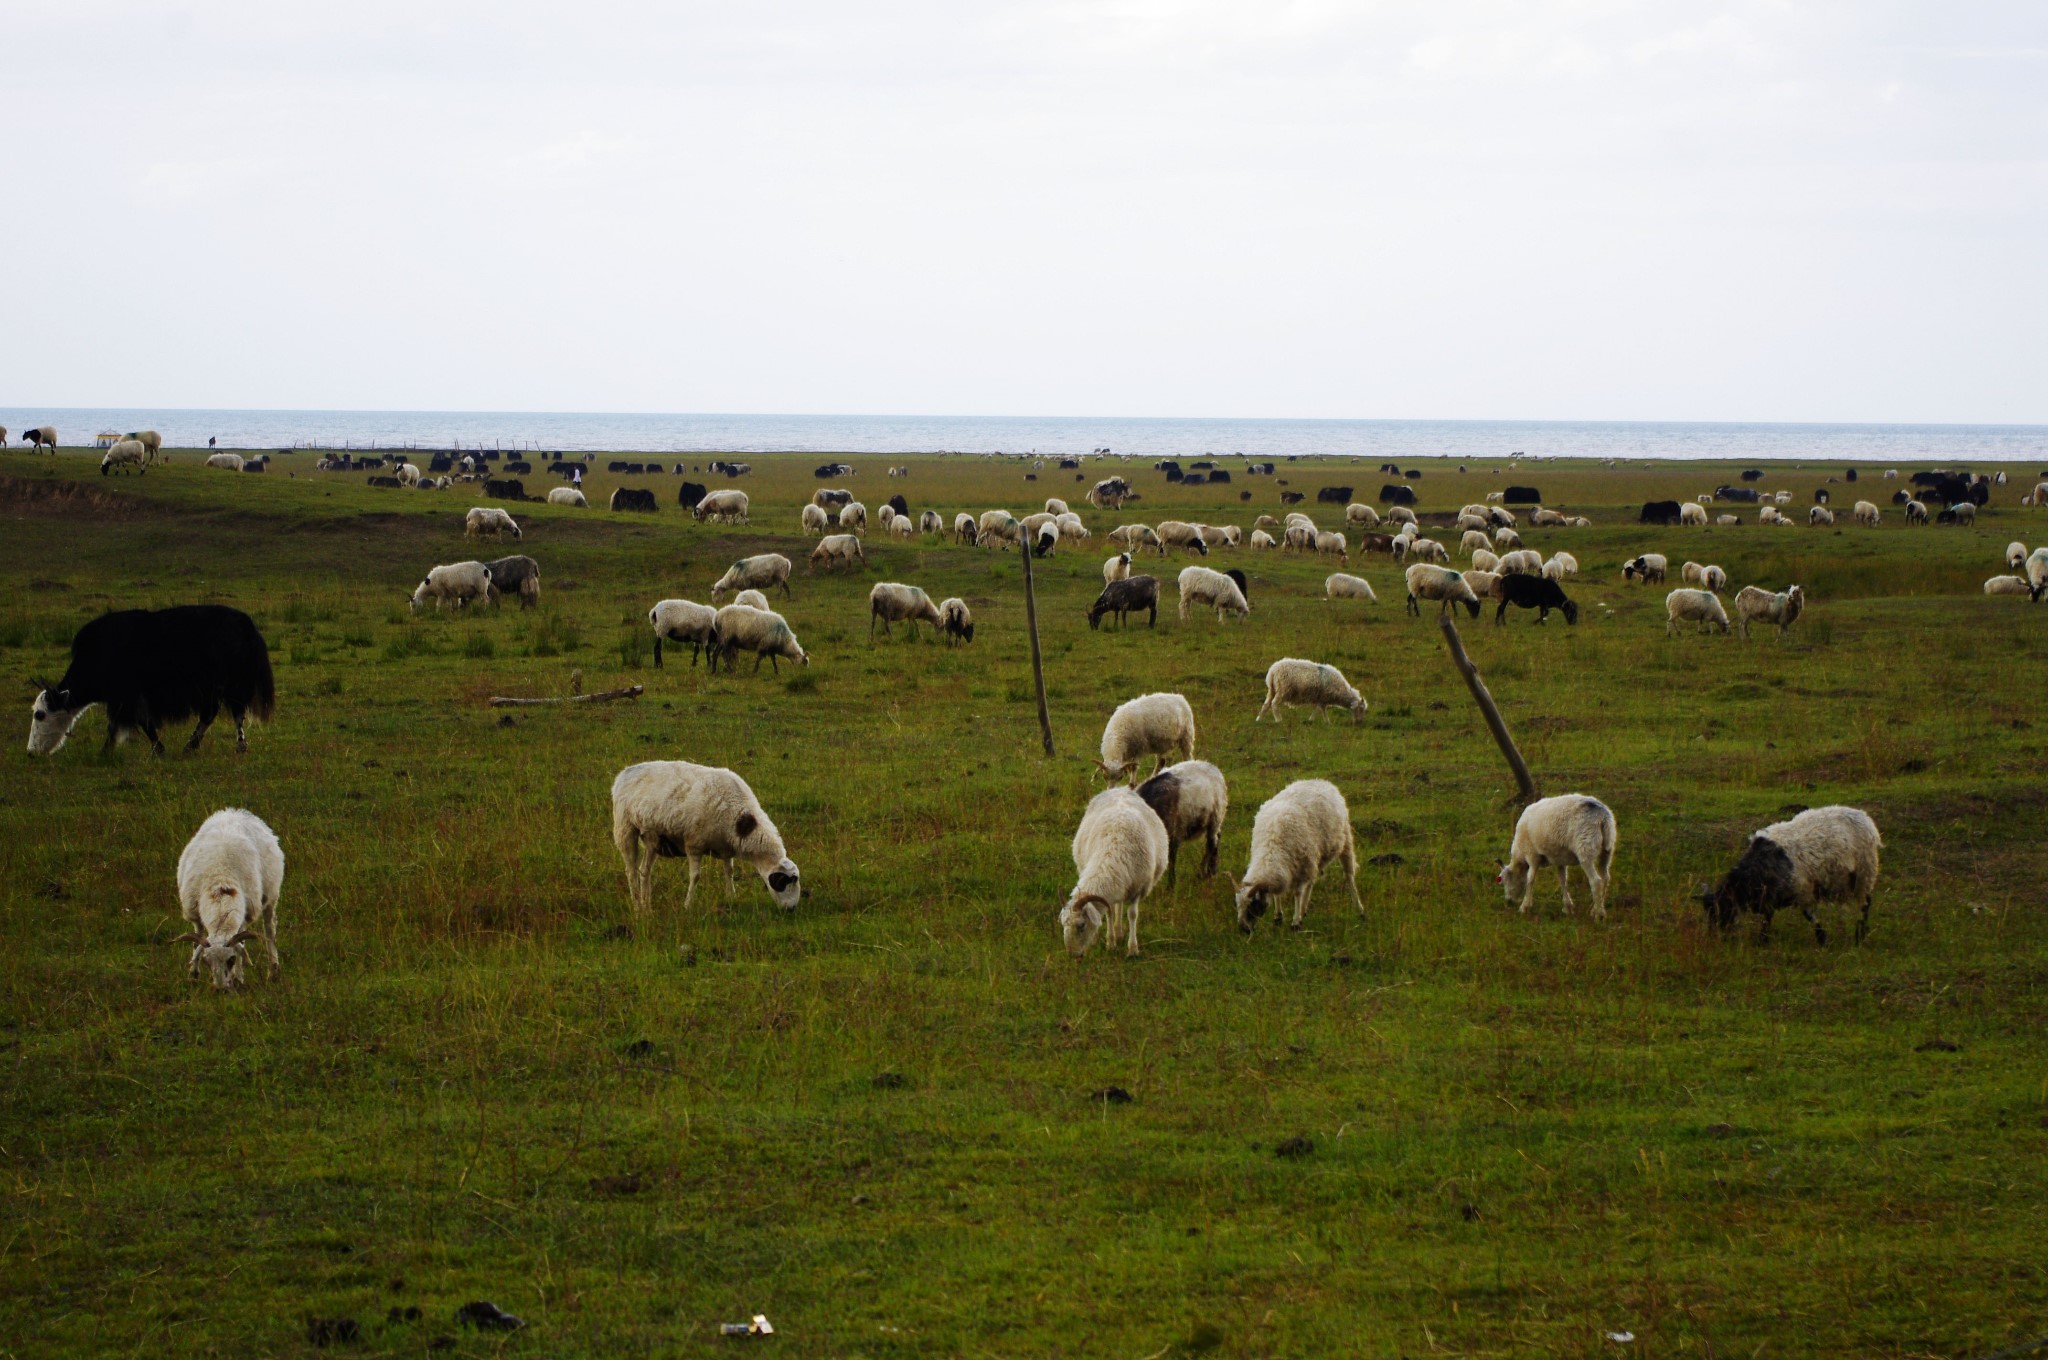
(1144, 437)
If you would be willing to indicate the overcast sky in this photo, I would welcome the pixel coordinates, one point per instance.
(1762, 209)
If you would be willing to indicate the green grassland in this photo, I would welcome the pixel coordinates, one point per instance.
(876, 1121)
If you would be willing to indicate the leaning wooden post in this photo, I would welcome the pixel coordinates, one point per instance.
(1487, 707)
(1037, 664)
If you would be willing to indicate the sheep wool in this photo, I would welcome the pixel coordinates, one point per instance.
(1121, 849)
(229, 876)
(1556, 833)
(663, 809)
(1297, 834)
(1311, 684)
(1161, 725)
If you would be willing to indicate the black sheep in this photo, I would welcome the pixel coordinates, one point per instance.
(1539, 593)
(1121, 597)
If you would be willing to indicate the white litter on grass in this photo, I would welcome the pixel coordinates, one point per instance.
(1621, 1338)
(760, 1326)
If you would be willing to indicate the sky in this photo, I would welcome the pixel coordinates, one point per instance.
(1753, 210)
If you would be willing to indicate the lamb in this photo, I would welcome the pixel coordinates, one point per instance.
(1173, 533)
(1297, 834)
(125, 453)
(1692, 512)
(1782, 608)
(1649, 568)
(568, 495)
(1426, 582)
(1205, 587)
(683, 621)
(1825, 854)
(1120, 851)
(1558, 833)
(955, 621)
(517, 574)
(766, 634)
(1338, 586)
(1117, 568)
(894, 602)
(488, 519)
(2013, 585)
(228, 880)
(1122, 597)
(764, 571)
(1312, 684)
(1191, 799)
(813, 520)
(837, 550)
(1533, 592)
(1867, 514)
(232, 462)
(1820, 515)
(665, 808)
(1364, 516)
(727, 507)
(1693, 606)
(462, 582)
(931, 522)
(1161, 725)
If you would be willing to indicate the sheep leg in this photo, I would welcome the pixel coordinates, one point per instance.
(1209, 853)
(1863, 923)
(691, 891)
(1270, 706)
(1301, 904)
(1172, 855)
(1820, 934)
(1599, 886)
(242, 733)
(1131, 944)
(657, 651)
(1564, 886)
(270, 935)
(156, 742)
(784, 583)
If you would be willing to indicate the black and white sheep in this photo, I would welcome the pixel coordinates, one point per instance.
(1191, 799)
(1825, 854)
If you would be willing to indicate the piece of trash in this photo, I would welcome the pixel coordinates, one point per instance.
(486, 1316)
(1621, 1338)
(1112, 1095)
(760, 1326)
(639, 1048)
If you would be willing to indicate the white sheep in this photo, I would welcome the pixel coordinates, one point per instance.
(1685, 605)
(1222, 535)
(462, 582)
(753, 599)
(1560, 566)
(408, 474)
(662, 809)
(1135, 537)
(125, 453)
(1486, 561)
(1191, 799)
(1310, 684)
(1692, 512)
(1298, 833)
(682, 621)
(837, 550)
(931, 522)
(1483, 584)
(489, 519)
(1174, 533)
(1521, 562)
(894, 602)
(814, 520)
(1690, 573)
(1400, 514)
(1117, 568)
(1825, 854)
(1338, 586)
(1649, 568)
(1496, 497)
(229, 876)
(1556, 833)
(232, 462)
(1055, 506)
(2037, 566)
(1820, 515)
(1121, 850)
(1429, 550)
(885, 515)
(1161, 725)
(1262, 541)
(2016, 556)
(1364, 516)
(568, 495)
(2012, 585)
(1867, 514)
(853, 518)
(743, 628)
(1768, 515)
(903, 527)
(1045, 538)
(955, 620)
(1781, 607)
(1298, 536)
(1426, 582)
(1963, 512)
(999, 527)
(1072, 527)
(1713, 578)
(1473, 541)
(1205, 587)
(764, 571)
(1727, 521)
(1506, 540)
(727, 507)
(1544, 518)
(1333, 545)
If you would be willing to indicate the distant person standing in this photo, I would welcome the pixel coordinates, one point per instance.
(576, 475)
(213, 441)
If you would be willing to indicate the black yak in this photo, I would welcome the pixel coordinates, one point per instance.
(157, 666)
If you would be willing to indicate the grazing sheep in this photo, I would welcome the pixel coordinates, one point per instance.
(229, 876)
(1121, 850)
(727, 507)
(1496, 497)
(408, 473)
(931, 522)
(766, 634)
(1727, 521)
(663, 809)
(1649, 568)
(1867, 514)
(1962, 512)
(1174, 533)
(1499, 518)
(753, 599)
(1426, 582)
(1545, 519)
(1429, 550)
(901, 527)
(1045, 539)
(1291, 680)
(1693, 606)
(765, 571)
(814, 520)
(1121, 597)
(684, 621)
(1222, 535)
(518, 575)
(1825, 854)
(2016, 555)
(1298, 833)
(1205, 587)
(1055, 506)
(837, 550)
(488, 519)
(1556, 833)
(955, 621)
(1484, 584)
(964, 529)
(1768, 515)
(1782, 608)
(1299, 536)
(1713, 578)
(1506, 539)
(1692, 512)
(1161, 725)
(1190, 799)
(1533, 592)
(1072, 527)
(1117, 568)
(1364, 516)
(1400, 514)
(999, 527)
(1338, 586)
(1820, 515)
(2013, 585)
(568, 495)
(462, 582)
(1333, 545)
(1485, 561)
(1521, 562)
(1473, 541)
(232, 462)
(894, 602)
(1262, 541)
(1690, 573)
(885, 516)
(2037, 566)
(1560, 566)
(830, 498)
(124, 454)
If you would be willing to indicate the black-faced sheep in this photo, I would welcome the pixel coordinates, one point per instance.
(1191, 799)
(1825, 854)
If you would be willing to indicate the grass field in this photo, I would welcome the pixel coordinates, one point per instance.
(876, 1121)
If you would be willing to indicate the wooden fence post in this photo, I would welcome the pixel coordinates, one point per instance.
(1487, 707)
(1031, 625)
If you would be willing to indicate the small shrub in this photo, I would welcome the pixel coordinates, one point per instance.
(479, 647)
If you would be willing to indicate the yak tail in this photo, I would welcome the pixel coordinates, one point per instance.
(263, 690)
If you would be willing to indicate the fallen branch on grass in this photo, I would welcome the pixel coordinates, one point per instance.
(601, 697)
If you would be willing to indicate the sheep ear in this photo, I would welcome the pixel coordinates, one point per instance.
(744, 827)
